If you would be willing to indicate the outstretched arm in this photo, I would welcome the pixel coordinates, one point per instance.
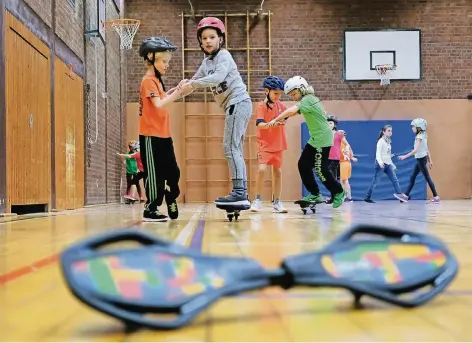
(412, 152)
(289, 112)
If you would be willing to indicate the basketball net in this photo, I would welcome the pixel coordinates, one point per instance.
(125, 28)
(384, 71)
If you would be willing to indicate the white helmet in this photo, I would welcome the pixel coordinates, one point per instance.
(419, 122)
(296, 82)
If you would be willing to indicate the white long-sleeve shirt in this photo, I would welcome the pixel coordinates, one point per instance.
(384, 152)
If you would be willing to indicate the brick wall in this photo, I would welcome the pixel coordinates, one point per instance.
(104, 171)
(307, 40)
(104, 168)
(69, 24)
(113, 113)
(43, 8)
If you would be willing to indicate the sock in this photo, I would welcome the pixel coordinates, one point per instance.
(258, 197)
(276, 200)
(238, 186)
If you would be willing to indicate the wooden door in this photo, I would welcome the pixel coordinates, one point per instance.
(28, 116)
(69, 137)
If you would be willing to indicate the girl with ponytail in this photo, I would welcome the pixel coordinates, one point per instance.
(383, 162)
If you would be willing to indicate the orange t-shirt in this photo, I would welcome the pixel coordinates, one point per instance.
(152, 121)
(272, 139)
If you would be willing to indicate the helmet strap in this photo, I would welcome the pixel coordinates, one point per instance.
(156, 72)
(269, 101)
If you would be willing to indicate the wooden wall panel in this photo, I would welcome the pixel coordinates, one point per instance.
(69, 137)
(28, 116)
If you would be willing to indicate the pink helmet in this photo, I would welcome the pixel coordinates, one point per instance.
(211, 22)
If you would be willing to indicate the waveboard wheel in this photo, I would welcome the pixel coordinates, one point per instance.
(304, 210)
(230, 217)
(357, 299)
(236, 216)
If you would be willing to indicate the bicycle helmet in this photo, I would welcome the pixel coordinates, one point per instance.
(419, 122)
(154, 45)
(296, 82)
(213, 23)
(272, 83)
(333, 119)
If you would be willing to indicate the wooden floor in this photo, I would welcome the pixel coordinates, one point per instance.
(36, 306)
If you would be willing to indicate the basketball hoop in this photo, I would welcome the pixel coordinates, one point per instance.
(384, 71)
(125, 28)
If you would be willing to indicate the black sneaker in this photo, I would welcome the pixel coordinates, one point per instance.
(329, 201)
(156, 216)
(370, 201)
(172, 209)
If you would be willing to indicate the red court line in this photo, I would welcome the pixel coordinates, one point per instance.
(35, 266)
(17, 273)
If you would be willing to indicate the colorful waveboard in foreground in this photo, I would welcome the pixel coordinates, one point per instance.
(163, 278)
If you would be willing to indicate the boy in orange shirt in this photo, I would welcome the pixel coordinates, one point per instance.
(271, 142)
(157, 149)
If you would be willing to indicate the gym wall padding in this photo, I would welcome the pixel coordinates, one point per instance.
(362, 136)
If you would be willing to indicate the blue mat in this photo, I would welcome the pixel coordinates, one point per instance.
(362, 136)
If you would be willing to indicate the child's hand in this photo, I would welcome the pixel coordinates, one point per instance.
(182, 82)
(271, 123)
(354, 159)
(185, 88)
(281, 122)
(402, 157)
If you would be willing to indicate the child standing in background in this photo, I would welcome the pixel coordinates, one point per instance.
(383, 162)
(345, 167)
(131, 171)
(335, 152)
(271, 142)
(423, 158)
(135, 154)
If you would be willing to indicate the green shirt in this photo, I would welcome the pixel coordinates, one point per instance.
(131, 165)
(313, 111)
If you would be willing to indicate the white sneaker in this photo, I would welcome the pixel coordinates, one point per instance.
(256, 205)
(279, 207)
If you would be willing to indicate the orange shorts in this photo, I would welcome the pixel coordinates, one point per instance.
(270, 158)
(345, 169)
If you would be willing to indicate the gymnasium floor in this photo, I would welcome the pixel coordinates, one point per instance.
(36, 306)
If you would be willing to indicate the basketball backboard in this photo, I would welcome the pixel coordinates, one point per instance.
(364, 49)
(94, 27)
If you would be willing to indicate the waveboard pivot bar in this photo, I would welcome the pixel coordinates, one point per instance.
(162, 278)
(306, 204)
(233, 210)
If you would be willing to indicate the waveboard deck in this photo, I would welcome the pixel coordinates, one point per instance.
(390, 265)
(233, 210)
(306, 204)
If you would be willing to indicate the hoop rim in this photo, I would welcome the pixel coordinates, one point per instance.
(120, 22)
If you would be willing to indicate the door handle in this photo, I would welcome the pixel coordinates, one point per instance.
(31, 121)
